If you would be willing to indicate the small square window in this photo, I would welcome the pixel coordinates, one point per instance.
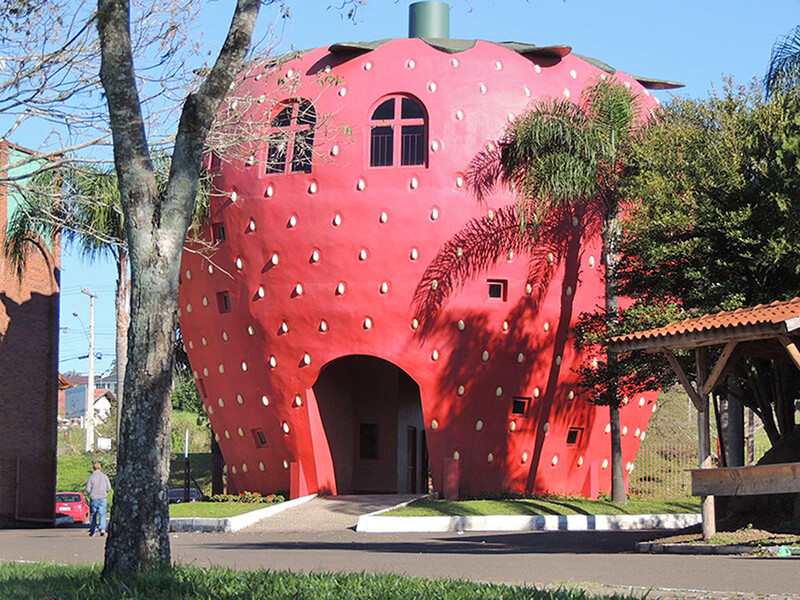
(260, 438)
(224, 302)
(368, 446)
(574, 435)
(202, 387)
(218, 232)
(520, 406)
(498, 289)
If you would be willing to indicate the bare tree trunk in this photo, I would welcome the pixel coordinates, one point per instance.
(611, 255)
(123, 318)
(155, 227)
(139, 529)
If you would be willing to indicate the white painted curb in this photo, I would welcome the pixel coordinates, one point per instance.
(375, 523)
(234, 523)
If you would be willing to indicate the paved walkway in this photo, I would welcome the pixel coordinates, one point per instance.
(328, 513)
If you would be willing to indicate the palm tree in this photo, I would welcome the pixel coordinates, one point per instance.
(562, 154)
(783, 72)
(83, 204)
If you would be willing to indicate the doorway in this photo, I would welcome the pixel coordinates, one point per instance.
(372, 417)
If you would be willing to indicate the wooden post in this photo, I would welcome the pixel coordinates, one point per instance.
(704, 441)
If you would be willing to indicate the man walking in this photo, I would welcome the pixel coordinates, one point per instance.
(98, 486)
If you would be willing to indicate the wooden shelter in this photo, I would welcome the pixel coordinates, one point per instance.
(767, 330)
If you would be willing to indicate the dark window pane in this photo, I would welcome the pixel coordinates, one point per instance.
(283, 118)
(218, 232)
(306, 115)
(573, 435)
(411, 110)
(368, 447)
(224, 302)
(276, 153)
(302, 153)
(520, 406)
(381, 146)
(413, 145)
(385, 111)
(498, 289)
(262, 439)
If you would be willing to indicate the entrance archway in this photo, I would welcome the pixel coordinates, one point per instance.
(372, 417)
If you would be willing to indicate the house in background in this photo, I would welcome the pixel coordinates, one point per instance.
(29, 316)
(70, 412)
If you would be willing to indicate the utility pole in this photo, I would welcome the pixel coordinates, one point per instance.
(90, 382)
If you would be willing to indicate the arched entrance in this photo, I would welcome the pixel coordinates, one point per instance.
(372, 416)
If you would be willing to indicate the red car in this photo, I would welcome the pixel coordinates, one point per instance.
(74, 505)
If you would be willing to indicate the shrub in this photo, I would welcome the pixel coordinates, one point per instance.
(248, 497)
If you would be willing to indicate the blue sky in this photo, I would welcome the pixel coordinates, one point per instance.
(696, 42)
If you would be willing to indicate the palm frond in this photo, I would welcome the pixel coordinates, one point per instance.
(548, 157)
(479, 245)
(783, 72)
(483, 242)
(26, 225)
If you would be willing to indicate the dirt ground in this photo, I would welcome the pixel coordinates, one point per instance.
(758, 531)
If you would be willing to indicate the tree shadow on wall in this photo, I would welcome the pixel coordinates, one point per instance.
(552, 238)
(479, 246)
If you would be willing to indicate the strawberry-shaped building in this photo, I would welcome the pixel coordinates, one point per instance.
(363, 322)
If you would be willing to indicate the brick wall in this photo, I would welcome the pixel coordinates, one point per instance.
(28, 375)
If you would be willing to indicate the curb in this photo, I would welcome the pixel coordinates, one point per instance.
(659, 548)
(705, 549)
(375, 523)
(205, 525)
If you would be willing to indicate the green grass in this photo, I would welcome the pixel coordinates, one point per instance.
(200, 467)
(544, 506)
(74, 469)
(213, 510)
(26, 581)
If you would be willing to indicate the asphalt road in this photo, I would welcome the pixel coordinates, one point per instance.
(600, 560)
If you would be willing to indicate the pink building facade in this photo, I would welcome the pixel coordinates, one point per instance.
(364, 323)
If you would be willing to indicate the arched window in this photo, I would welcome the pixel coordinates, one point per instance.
(291, 138)
(398, 133)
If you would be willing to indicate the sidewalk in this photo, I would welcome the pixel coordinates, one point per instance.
(366, 514)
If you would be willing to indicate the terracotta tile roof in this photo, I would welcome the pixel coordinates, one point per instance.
(764, 320)
(63, 383)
